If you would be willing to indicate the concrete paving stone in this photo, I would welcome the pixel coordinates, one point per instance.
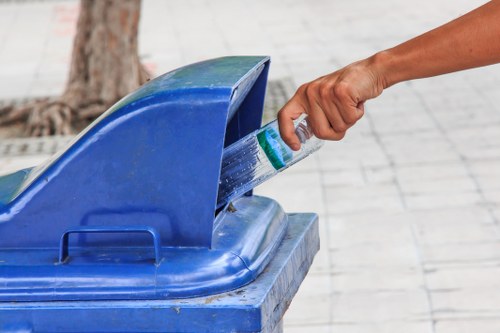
(370, 197)
(321, 263)
(284, 190)
(483, 134)
(379, 307)
(459, 232)
(300, 36)
(378, 175)
(467, 302)
(252, 34)
(315, 309)
(336, 203)
(54, 69)
(401, 124)
(375, 255)
(486, 172)
(460, 224)
(351, 153)
(459, 97)
(454, 253)
(491, 94)
(38, 89)
(305, 73)
(463, 277)
(419, 148)
(276, 29)
(280, 71)
(473, 214)
(414, 153)
(439, 185)
(492, 197)
(442, 200)
(468, 117)
(384, 327)
(353, 229)
(491, 325)
(364, 279)
(311, 304)
(343, 57)
(317, 284)
(314, 58)
(261, 49)
(430, 172)
(495, 211)
(16, 89)
(344, 177)
(12, 164)
(305, 328)
(19, 69)
(489, 151)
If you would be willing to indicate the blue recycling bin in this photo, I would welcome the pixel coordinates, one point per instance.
(119, 232)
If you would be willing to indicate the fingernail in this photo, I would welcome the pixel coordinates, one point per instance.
(295, 146)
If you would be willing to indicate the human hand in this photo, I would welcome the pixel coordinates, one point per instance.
(333, 102)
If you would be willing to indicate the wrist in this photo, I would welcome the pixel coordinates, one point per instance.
(382, 64)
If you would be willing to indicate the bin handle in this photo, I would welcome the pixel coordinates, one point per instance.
(64, 243)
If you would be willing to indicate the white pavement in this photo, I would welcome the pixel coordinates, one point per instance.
(409, 201)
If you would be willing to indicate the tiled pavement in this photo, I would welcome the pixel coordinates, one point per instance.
(409, 201)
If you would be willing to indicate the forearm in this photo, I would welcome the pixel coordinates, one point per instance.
(472, 40)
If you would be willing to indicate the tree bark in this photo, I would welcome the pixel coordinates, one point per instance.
(104, 67)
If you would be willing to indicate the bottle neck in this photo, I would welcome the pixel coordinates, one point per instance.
(303, 130)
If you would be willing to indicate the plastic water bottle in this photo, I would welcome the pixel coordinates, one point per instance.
(259, 156)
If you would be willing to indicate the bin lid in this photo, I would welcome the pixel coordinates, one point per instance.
(152, 159)
(244, 241)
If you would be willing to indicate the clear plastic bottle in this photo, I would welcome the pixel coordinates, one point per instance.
(259, 156)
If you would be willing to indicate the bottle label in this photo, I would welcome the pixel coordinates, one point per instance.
(278, 153)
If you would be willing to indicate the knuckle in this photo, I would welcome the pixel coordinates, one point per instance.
(322, 134)
(302, 88)
(350, 117)
(341, 90)
(339, 136)
(324, 91)
(310, 93)
(326, 134)
(340, 127)
(302, 91)
(282, 112)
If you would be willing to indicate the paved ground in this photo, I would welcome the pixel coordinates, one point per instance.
(409, 202)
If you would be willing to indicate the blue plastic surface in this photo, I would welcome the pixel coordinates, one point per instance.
(256, 307)
(243, 243)
(137, 192)
(152, 159)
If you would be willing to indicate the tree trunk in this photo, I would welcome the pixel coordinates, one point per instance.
(105, 67)
(105, 62)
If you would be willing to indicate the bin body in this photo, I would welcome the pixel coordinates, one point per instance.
(119, 232)
(256, 307)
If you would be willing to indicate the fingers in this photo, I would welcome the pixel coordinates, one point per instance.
(350, 107)
(323, 116)
(291, 111)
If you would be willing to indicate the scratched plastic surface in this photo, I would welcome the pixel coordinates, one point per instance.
(259, 156)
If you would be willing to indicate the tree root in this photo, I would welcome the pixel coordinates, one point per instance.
(51, 116)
